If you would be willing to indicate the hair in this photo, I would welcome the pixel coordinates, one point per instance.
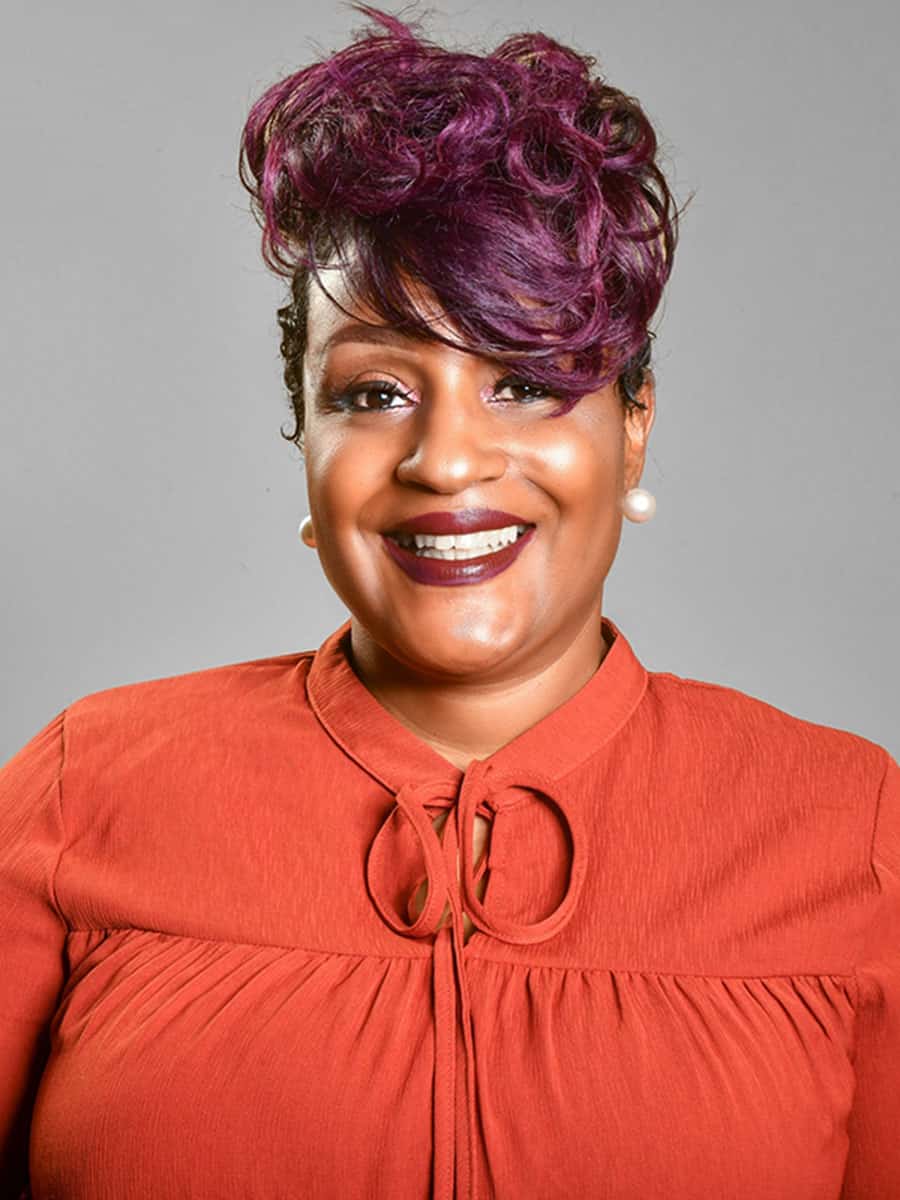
(519, 188)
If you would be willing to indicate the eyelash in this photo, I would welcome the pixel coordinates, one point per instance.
(343, 400)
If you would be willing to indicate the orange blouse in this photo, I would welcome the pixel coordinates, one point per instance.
(684, 979)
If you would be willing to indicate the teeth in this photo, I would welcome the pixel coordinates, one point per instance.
(460, 545)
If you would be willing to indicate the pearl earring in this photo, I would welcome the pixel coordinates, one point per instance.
(639, 504)
(306, 531)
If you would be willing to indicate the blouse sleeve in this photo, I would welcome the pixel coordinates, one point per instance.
(32, 935)
(873, 1163)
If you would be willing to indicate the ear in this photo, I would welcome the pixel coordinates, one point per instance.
(638, 423)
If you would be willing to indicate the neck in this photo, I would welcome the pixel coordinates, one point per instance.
(464, 720)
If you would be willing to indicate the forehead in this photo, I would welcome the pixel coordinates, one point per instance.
(335, 316)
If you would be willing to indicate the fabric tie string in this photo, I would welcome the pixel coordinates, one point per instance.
(480, 792)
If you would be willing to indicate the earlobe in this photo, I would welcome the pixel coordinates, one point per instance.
(638, 504)
(638, 423)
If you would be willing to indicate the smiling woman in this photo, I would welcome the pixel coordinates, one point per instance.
(466, 903)
(473, 325)
(412, 435)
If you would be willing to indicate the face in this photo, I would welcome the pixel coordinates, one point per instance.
(396, 428)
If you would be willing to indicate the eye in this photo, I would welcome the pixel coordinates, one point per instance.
(529, 392)
(380, 389)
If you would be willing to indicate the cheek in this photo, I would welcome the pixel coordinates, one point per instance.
(337, 474)
(563, 458)
(578, 465)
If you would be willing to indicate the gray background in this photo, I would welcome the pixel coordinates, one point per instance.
(149, 506)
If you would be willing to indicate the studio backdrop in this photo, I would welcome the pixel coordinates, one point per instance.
(149, 502)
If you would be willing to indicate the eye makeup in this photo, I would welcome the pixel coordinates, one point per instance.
(345, 399)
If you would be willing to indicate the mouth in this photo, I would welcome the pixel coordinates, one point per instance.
(449, 560)
(459, 547)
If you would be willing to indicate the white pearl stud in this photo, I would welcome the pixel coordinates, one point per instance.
(306, 531)
(638, 504)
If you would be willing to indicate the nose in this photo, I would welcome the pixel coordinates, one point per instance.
(454, 443)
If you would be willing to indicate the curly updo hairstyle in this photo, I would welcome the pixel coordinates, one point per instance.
(520, 189)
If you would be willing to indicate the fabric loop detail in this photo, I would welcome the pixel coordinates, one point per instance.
(410, 801)
(518, 932)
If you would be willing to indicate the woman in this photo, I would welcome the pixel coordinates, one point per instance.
(466, 902)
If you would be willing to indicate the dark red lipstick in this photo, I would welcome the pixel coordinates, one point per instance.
(463, 520)
(453, 572)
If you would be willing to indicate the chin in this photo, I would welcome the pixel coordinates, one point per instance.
(461, 646)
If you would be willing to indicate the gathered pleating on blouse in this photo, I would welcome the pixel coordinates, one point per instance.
(233, 965)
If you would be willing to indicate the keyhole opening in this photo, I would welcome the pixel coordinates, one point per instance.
(479, 845)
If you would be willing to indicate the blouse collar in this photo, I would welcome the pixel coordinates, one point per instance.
(557, 744)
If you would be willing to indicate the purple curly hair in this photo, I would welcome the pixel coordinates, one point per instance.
(522, 191)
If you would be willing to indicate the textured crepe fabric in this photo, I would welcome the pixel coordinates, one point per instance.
(684, 980)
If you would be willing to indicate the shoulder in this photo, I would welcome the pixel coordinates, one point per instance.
(220, 699)
(757, 736)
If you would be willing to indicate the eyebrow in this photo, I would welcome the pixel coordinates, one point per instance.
(388, 335)
(358, 331)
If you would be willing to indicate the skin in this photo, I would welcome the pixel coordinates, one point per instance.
(466, 668)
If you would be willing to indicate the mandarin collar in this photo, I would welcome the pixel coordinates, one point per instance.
(390, 752)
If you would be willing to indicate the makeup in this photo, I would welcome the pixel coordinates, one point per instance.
(454, 572)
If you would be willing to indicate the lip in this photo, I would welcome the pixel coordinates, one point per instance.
(453, 573)
(463, 520)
